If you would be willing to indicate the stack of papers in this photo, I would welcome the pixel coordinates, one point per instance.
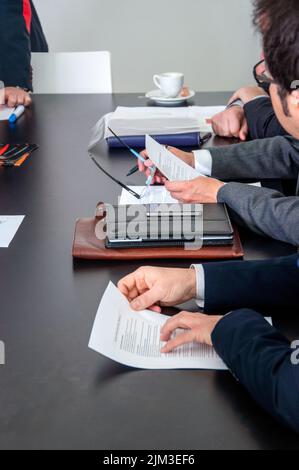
(155, 121)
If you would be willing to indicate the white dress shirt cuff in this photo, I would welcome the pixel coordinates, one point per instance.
(203, 162)
(200, 284)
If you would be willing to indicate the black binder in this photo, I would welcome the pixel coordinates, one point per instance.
(162, 225)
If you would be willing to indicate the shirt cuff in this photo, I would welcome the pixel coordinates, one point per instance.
(200, 284)
(203, 162)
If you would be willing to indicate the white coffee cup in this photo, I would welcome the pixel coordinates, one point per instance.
(171, 84)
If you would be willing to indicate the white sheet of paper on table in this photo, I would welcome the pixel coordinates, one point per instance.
(133, 338)
(5, 112)
(153, 195)
(9, 225)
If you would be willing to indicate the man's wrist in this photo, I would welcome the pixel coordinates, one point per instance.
(214, 322)
(218, 186)
(192, 287)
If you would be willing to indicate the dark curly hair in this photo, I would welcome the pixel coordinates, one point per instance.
(278, 21)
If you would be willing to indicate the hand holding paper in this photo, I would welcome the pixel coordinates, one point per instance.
(160, 178)
(150, 287)
(134, 339)
(172, 167)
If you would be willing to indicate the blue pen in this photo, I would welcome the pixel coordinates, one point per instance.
(19, 110)
(152, 169)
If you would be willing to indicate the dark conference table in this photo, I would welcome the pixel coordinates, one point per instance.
(55, 393)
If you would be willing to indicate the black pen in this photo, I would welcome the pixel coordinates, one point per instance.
(205, 138)
(133, 170)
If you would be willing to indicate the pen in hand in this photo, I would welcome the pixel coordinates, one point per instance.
(203, 140)
(133, 170)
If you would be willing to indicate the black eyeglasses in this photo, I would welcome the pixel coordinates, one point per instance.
(263, 79)
(124, 186)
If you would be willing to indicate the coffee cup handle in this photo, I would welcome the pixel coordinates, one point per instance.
(156, 79)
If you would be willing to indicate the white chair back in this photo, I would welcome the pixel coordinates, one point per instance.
(72, 72)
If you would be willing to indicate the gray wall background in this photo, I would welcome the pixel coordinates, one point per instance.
(212, 42)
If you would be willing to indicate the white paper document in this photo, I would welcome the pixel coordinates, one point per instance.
(152, 195)
(169, 165)
(9, 225)
(133, 338)
(5, 112)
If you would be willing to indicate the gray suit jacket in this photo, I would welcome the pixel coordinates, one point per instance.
(265, 211)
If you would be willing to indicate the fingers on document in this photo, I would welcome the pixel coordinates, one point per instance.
(185, 321)
(148, 299)
(128, 287)
(179, 340)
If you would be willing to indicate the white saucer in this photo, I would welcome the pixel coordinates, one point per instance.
(157, 96)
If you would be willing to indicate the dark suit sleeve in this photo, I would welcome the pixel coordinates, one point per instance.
(260, 358)
(263, 210)
(270, 284)
(261, 119)
(37, 36)
(14, 45)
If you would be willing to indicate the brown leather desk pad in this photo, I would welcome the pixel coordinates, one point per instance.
(87, 246)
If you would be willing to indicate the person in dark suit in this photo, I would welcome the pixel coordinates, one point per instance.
(249, 116)
(252, 118)
(261, 358)
(265, 211)
(20, 34)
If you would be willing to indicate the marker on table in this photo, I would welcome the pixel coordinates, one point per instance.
(16, 114)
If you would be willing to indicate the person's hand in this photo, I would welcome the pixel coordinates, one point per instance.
(16, 96)
(199, 329)
(200, 190)
(231, 123)
(151, 287)
(247, 94)
(187, 157)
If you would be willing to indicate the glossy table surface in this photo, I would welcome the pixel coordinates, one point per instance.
(55, 392)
